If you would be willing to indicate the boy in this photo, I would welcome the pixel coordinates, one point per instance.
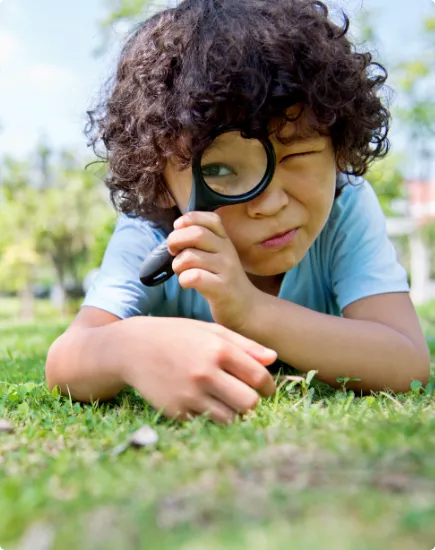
(305, 269)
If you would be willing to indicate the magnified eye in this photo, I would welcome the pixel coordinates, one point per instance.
(216, 171)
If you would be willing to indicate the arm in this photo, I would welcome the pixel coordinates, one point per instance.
(113, 343)
(207, 368)
(85, 360)
(378, 340)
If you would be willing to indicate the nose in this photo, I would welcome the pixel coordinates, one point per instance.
(271, 201)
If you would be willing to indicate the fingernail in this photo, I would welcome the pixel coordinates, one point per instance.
(177, 223)
(268, 351)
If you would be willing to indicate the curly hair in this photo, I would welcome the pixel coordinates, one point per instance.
(204, 64)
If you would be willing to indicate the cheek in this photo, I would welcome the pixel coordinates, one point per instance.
(319, 203)
(318, 190)
(234, 222)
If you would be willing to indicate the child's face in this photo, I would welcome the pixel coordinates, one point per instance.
(300, 197)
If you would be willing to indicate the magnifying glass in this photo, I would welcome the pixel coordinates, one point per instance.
(232, 170)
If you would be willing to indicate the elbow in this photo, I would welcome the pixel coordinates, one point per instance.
(58, 369)
(398, 377)
(65, 369)
(418, 367)
(52, 364)
(423, 367)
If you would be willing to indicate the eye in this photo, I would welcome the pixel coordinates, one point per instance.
(299, 155)
(216, 171)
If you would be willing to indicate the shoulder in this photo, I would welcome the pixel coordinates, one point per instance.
(359, 257)
(117, 287)
(130, 226)
(355, 212)
(357, 196)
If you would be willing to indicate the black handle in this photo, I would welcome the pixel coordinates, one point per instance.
(157, 267)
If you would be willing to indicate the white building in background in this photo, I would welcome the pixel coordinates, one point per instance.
(419, 209)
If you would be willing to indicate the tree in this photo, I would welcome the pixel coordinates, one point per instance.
(124, 10)
(50, 221)
(19, 258)
(387, 178)
(74, 209)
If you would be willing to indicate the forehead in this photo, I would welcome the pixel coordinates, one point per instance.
(295, 128)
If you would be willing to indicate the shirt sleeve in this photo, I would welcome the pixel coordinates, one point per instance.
(117, 287)
(363, 260)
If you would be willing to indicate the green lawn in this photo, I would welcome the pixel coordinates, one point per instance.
(327, 470)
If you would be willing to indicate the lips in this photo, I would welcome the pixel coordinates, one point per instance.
(280, 239)
(277, 235)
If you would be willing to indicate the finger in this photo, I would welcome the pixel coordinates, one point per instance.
(210, 220)
(216, 410)
(234, 393)
(192, 258)
(247, 369)
(209, 285)
(264, 355)
(194, 236)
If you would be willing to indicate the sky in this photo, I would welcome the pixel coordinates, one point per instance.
(49, 75)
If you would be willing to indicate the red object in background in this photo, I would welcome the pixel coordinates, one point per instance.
(421, 196)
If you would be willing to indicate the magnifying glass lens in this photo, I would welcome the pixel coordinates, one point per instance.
(233, 165)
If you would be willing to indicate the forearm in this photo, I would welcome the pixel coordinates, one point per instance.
(377, 354)
(88, 363)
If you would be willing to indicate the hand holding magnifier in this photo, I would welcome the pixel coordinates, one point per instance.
(232, 170)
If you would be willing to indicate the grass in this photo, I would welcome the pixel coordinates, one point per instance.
(320, 470)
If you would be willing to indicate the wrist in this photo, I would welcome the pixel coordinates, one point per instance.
(135, 335)
(250, 326)
(110, 345)
(122, 348)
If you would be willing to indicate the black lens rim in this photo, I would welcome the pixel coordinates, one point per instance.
(204, 198)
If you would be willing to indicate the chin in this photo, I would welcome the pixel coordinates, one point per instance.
(273, 268)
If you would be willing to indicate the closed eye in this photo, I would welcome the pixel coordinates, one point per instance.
(299, 155)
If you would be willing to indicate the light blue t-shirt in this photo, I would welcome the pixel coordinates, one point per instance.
(351, 259)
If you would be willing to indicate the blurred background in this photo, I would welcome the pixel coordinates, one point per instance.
(55, 216)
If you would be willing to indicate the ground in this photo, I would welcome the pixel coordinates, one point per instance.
(309, 469)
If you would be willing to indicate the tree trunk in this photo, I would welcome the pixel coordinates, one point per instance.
(59, 291)
(27, 303)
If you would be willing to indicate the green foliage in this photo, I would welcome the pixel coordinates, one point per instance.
(387, 179)
(101, 240)
(419, 117)
(415, 80)
(50, 221)
(74, 211)
(429, 25)
(118, 10)
(19, 204)
(344, 380)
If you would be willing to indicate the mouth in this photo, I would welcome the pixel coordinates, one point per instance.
(279, 239)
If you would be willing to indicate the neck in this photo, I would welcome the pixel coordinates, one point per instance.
(269, 284)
